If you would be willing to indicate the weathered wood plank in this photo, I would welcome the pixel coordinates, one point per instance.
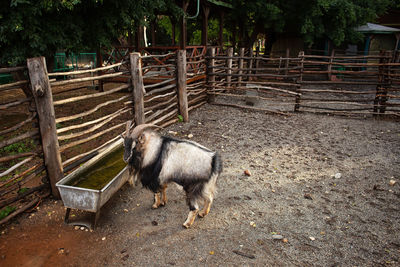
(210, 65)
(138, 87)
(40, 85)
(229, 66)
(181, 84)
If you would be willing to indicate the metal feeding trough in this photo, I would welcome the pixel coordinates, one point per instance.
(90, 186)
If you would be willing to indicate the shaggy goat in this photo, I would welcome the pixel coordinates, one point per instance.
(159, 160)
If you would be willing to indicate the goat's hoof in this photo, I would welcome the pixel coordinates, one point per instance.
(202, 214)
(154, 206)
(186, 225)
(163, 203)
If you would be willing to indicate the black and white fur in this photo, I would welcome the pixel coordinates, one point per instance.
(159, 160)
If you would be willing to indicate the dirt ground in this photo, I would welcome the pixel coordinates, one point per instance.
(320, 182)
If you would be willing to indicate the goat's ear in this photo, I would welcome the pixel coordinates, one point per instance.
(142, 138)
(123, 135)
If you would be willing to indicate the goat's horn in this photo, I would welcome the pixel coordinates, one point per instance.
(128, 126)
(140, 128)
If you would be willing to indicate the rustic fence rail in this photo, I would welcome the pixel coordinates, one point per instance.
(340, 84)
(23, 175)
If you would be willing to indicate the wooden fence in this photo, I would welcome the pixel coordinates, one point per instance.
(75, 121)
(53, 122)
(339, 84)
(22, 169)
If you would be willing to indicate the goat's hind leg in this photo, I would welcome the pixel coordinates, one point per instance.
(208, 195)
(207, 206)
(194, 209)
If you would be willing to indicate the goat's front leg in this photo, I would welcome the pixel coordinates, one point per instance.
(164, 195)
(157, 201)
(133, 179)
(160, 198)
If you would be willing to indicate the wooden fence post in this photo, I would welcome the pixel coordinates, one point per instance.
(287, 61)
(299, 81)
(385, 81)
(241, 56)
(229, 66)
(330, 65)
(379, 86)
(250, 66)
(41, 91)
(210, 68)
(138, 87)
(257, 60)
(181, 84)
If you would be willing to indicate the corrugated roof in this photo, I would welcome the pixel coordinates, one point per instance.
(376, 28)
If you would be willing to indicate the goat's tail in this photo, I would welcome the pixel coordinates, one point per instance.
(216, 165)
(210, 188)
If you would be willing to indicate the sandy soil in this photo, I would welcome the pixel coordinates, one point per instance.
(352, 219)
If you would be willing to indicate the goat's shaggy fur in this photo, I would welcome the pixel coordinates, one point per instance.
(159, 160)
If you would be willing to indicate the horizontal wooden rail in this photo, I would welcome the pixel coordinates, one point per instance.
(84, 97)
(19, 138)
(86, 79)
(92, 129)
(85, 140)
(76, 116)
(14, 85)
(14, 103)
(19, 125)
(12, 69)
(85, 71)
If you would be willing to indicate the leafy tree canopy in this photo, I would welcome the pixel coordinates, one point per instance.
(311, 19)
(31, 28)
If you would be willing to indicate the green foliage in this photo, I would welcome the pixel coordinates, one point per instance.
(6, 211)
(310, 19)
(213, 32)
(19, 147)
(23, 190)
(30, 28)
(180, 118)
(40, 28)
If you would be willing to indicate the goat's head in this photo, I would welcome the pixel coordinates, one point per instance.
(131, 140)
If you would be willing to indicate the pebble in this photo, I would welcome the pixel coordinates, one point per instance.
(312, 238)
(104, 238)
(308, 196)
(190, 136)
(338, 175)
(82, 228)
(392, 182)
(76, 227)
(247, 172)
(277, 237)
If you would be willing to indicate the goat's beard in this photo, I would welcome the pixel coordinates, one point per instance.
(135, 159)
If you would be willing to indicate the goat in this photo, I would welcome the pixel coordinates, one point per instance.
(159, 160)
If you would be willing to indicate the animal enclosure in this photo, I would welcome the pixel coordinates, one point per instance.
(54, 122)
